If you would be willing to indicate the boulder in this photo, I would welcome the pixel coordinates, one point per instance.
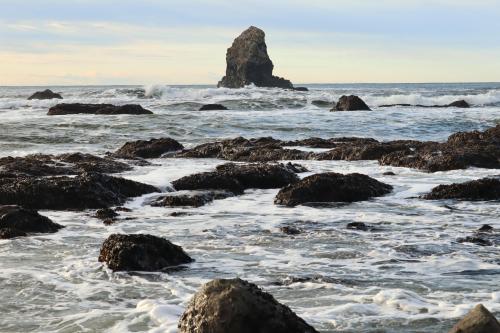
(235, 305)
(46, 94)
(16, 221)
(357, 226)
(153, 148)
(85, 191)
(459, 104)
(351, 103)
(331, 187)
(209, 181)
(290, 230)
(478, 320)
(98, 109)
(248, 63)
(481, 189)
(141, 253)
(192, 200)
(105, 213)
(212, 107)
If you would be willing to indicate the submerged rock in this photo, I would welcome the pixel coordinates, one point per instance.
(98, 109)
(141, 253)
(16, 221)
(331, 187)
(290, 230)
(105, 213)
(358, 226)
(212, 107)
(192, 200)
(46, 94)
(478, 320)
(301, 89)
(456, 104)
(475, 240)
(248, 63)
(481, 189)
(351, 103)
(153, 148)
(85, 191)
(235, 305)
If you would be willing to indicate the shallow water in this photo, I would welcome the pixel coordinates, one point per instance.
(408, 276)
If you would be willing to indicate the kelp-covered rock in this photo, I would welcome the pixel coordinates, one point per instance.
(17, 221)
(331, 187)
(481, 189)
(97, 109)
(235, 305)
(351, 103)
(478, 320)
(45, 94)
(85, 191)
(148, 149)
(141, 253)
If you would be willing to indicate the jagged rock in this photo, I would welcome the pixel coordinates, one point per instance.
(193, 200)
(248, 62)
(478, 320)
(106, 213)
(212, 107)
(153, 148)
(16, 221)
(365, 150)
(481, 189)
(331, 187)
(141, 253)
(235, 305)
(85, 191)
(98, 109)
(351, 103)
(485, 228)
(46, 94)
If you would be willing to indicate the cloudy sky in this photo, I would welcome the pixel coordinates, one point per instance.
(49, 42)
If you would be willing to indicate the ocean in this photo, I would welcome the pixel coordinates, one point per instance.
(410, 275)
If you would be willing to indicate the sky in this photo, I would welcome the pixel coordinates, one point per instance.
(87, 42)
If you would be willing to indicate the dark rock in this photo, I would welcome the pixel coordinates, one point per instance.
(209, 181)
(85, 191)
(123, 209)
(322, 104)
(364, 150)
(109, 221)
(141, 253)
(357, 226)
(106, 213)
(475, 240)
(389, 173)
(351, 103)
(212, 107)
(46, 94)
(331, 187)
(99, 109)
(485, 228)
(295, 167)
(193, 200)
(223, 306)
(248, 62)
(153, 148)
(301, 89)
(331, 143)
(459, 104)
(456, 104)
(25, 221)
(290, 230)
(481, 189)
(8, 233)
(478, 320)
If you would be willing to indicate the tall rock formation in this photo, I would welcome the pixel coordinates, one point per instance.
(248, 62)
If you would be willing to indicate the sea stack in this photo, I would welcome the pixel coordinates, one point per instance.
(248, 62)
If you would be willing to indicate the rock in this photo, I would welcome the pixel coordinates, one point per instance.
(389, 173)
(8, 233)
(351, 103)
(209, 181)
(365, 150)
(456, 104)
(295, 167)
(20, 221)
(212, 107)
(300, 89)
(109, 221)
(141, 253)
(46, 94)
(475, 240)
(223, 306)
(106, 213)
(481, 189)
(290, 230)
(98, 109)
(248, 62)
(193, 200)
(90, 163)
(459, 104)
(85, 191)
(357, 226)
(331, 187)
(153, 148)
(478, 320)
(485, 228)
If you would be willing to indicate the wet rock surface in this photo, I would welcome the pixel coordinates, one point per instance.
(478, 320)
(456, 104)
(152, 148)
(331, 187)
(141, 253)
(248, 63)
(97, 109)
(85, 191)
(235, 305)
(45, 94)
(191, 200)
(351, 103)
(212, 107)
(481, 189)
(16, 221)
